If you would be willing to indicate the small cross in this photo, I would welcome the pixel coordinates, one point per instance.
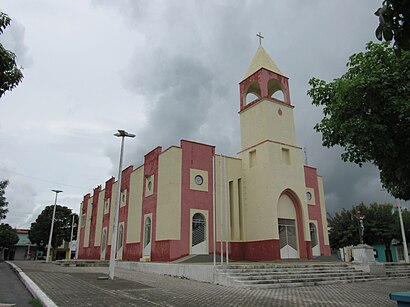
(260, 38)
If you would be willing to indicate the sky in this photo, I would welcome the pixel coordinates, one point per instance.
(165, 71)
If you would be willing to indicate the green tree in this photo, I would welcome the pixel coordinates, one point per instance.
(344, 229)
(379, 225)
(394, 22)
(40, 229)
(3, 200)
(8, 236)
(10, 74)
(367, 113)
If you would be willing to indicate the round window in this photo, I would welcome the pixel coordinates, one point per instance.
(309, 196)
(199, 180)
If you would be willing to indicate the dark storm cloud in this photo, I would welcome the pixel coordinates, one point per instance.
(197, 52)
(176, 88)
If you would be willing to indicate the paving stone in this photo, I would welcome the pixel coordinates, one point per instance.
(71, 286)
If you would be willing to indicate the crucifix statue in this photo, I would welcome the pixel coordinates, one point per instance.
(361, 227)
(260, 38)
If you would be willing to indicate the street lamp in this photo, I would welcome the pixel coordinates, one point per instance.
(71, 237)
(403, 234)
(52, 225)
(122, 134)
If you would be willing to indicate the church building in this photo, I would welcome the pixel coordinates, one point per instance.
(264, 204)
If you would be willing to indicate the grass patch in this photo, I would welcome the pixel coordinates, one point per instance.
(35, 303)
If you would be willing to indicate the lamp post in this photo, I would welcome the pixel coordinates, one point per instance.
(52, 225)
(71, 238)
(122, 134)
(403, 234)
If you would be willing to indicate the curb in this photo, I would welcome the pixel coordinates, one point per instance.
(32, 287)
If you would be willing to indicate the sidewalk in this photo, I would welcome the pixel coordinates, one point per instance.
(80, 286)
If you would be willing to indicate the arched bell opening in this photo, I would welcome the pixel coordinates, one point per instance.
(252, 93)
(275, 90)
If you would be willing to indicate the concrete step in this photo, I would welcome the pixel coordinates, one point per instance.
(396, 274)
(300, 280)
(304, 283)
(289, 271)
(397, 269)
(296, 276)
(290, 275)
(282, 266)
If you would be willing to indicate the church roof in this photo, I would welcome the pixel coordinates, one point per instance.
(262, 59)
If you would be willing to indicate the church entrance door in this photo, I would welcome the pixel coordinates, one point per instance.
(288, 239)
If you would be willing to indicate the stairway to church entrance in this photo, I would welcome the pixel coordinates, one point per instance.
(275, 275)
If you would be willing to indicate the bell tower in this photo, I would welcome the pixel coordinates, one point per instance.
(265, 107)
(274, 187)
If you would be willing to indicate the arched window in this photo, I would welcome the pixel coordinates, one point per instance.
(313, 234)
(198, 229)
(121, 236)
(147, 231)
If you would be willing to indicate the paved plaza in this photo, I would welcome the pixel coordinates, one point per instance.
(80, 286)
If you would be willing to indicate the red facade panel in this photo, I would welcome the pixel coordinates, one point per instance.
(314, 211)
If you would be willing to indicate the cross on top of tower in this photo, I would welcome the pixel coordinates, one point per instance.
(260, 38)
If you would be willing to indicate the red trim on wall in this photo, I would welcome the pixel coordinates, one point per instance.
(81, 251)
(123, 212)
(149, 203)
(198, 156)
(106, 217)
(262, 77)
(132, 252)
(94, 250)
(264, 250)
(314, 211)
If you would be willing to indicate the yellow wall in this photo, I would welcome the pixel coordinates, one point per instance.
(233, 170)
(262, 122)
(88, 223)
(323, 209)
(100, 213)
(286, 208)
(277, 166)
(135, 206)
(168, 224)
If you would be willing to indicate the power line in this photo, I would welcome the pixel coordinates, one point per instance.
(44, 180)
